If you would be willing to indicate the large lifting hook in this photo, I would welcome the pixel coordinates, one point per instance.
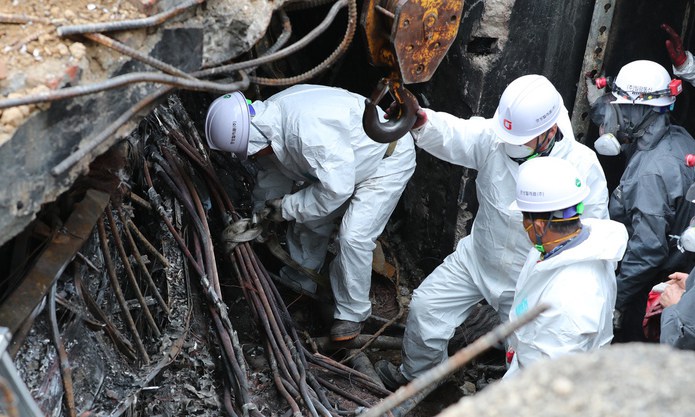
(399, 122)
(410, 38)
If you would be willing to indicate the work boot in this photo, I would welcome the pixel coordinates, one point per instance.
(344, 330)
(390, 375)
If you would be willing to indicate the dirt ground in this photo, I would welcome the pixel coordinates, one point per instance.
(36, 59)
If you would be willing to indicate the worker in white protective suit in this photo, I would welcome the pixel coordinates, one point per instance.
(530, 121)
(318, 166)
(570, 267)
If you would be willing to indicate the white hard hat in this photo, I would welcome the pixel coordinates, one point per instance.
(640, 77)
(529, 106)
(227, 124)
(548, 184)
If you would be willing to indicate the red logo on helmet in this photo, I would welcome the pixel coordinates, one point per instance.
(507, 124)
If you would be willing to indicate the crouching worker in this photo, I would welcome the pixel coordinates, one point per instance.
(570, 267)
(317, 165)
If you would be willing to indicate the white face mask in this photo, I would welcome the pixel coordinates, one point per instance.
(518, 151)
(687, 240)
(607, 144)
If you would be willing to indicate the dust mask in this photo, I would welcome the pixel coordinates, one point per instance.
(518, 151)
(607, 144)
(687, 240)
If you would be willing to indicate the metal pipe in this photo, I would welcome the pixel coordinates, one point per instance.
(128, 24)
(594, 52)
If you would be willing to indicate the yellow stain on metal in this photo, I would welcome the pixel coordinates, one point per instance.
(410, 36)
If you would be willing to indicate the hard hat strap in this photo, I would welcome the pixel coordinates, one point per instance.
(540, 245)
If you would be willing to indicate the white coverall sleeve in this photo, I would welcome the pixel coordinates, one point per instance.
(455, 140)
(271, 183)
(330, 166)
(687, 70)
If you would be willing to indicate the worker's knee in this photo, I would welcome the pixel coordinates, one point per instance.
(355, 240)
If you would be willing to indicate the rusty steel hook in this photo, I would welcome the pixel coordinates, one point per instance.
(396, 127)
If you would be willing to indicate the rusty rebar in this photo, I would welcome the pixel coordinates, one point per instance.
(134, 53)
(138, 259)
(118, 81)
(156, 200)
(304, 41)
(332, 58)
(278, 381)
(130, 274)
(118, 292)
(65, 369)
(101, 137)
(348, 373)
(23, 18)
(343, 393)
(153, 20)
(149, 246)
(183, 191)
(121, 343)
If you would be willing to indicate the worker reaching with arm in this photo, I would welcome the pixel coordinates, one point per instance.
(530, 122)
(682, 60)
(317, 166)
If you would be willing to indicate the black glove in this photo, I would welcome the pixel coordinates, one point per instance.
(273, 210)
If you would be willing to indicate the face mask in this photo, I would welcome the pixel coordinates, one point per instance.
(687, 240)
(518, 151)
(607, 144)
(620, 125)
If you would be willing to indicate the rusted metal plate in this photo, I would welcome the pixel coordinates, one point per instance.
(409, 36)
(376, 29)
(422, 34)
(53, 260)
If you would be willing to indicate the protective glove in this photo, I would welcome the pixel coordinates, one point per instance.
(273, 210)
(592, 92)
(419, 121)
(674, 46)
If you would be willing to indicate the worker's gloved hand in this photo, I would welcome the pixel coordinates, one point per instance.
(592, 92)
(273, 210)
(419, 121)
(674, 46)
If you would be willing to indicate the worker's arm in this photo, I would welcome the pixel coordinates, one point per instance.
(328, 165)
(466, 142)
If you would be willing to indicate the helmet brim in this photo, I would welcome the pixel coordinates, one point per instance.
(504, 134)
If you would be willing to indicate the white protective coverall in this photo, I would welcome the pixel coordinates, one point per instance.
(687, 70)
(485, 264)
(578, 283)
(321, 149)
